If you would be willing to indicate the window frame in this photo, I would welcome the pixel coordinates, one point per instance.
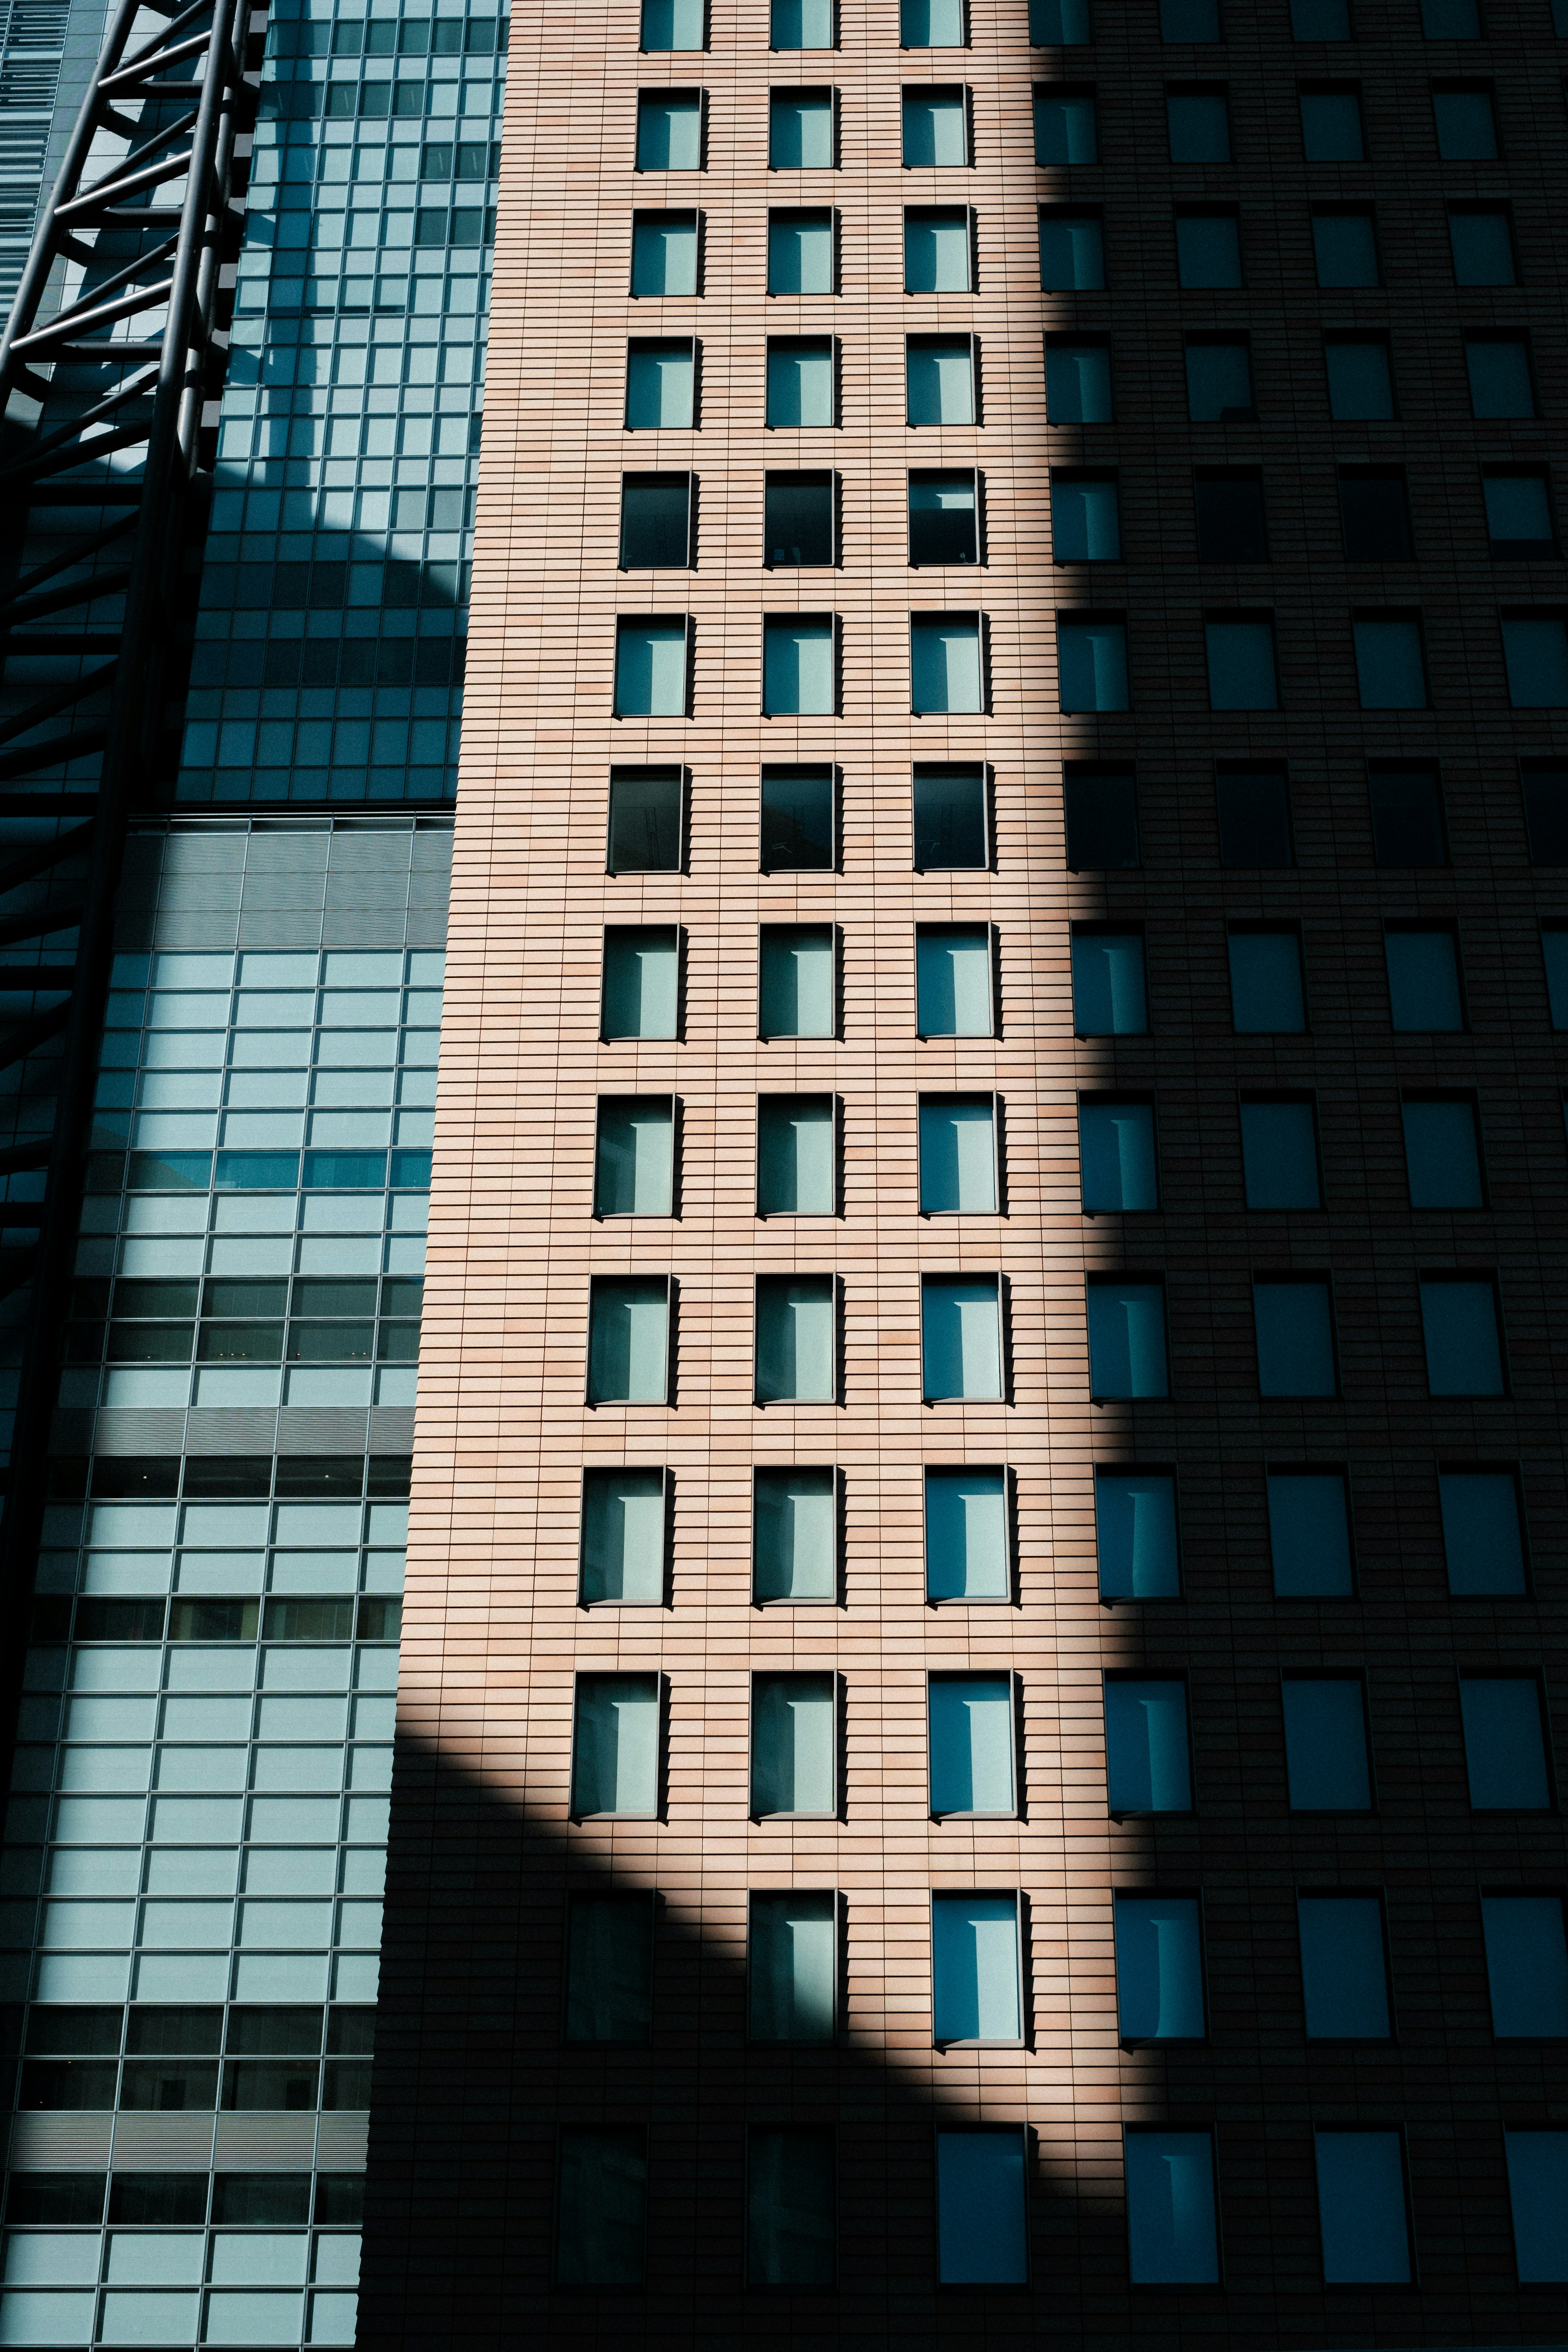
(656, 342)
(835, 949)
(1318, 86)
(1381, 615)
(1039, 89)
(1211, 211)
(1421, 926)
(1149, 1673)
(801, 474)
(1253, 772)
(1359, 1677)
(646, 477)
(1139, 2287)
(1373, 1892)
(754, 2125)
(1491, 208)
(618, 1216)
(918, 90)
(836, 1599)
(835, 358)
(1193, 1892)
(972, 238)
(651, 91)
(1095, 213)
(992, 966)
(649, 1898)
(835, 638)
(840, 1946)
(1007, 1600)
(1025, 2135)
(560, 2285)
(828, 294)
(666, 1479)
(835, 1115)
(1275, 1465)
(1466, 86)
(837, 1812)
(632, 1404)
(1536, 1675)
(1004, 1338)
(801, 91)
(1522, 550)
(930, 770)
(1452, 1466)
(656, 1675)
(991, 1095)
(1411, 2284)
(1019, 1810)
(1298, 1278)
(1469, 1097)
(1220, 90)
(1109, 1473)
(1220, 338)
(1259, 616)
(1129, 1277)
(836, 1303)
(1541, 1890)
(776, 771)
(975, 474)
(635, 771)
(1018, 1896)
(1261, 1097)
(1364, 211)
(1107, 1097)
(694, 213)
(1453, 1278)
(932, 337)
(606, 1037)
(625, 623)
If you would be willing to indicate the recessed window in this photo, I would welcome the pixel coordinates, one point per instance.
(1229, 503)
(1279, 1152)
(1361, 379)
(1501, 383)
(1483, 1536)
(960, 1338)
(670, 131)
(1086, 518)
(1344, 245)
(1072, 251)
(624, 1517)
(799, 520)
(792, 1968)
(932, 24)
(652, 665)
(1538, 2192)
(609, 1971)
(1442, 1151)
(646, 821)
(798, 1173)
(1320, 20)
(661, 385)
(1254, 812)
(633, 1164)
(1332, 127)
(1527, 1966)
(946, 663)
(1219, 380)
(1077, 381)
(1109, 998)
(1127, 1353)
(674, 24)
(801, 130)
(1344, 1967)
(793, 1764)
(1390, 661)
(1480, 238)
(1136, 1538)
(966, 1537)
(938, 249)
(1309, 1535)
(977, 1993)
(629, 1341)
(1506, 1749)
(952, 820)
(1119, 1167)
(1198, 124)
(1463, 1337)
(655, 522)
(982, 2204)
(1451, 20)
(1065, 130)
(1100, 809)
(1406, 806)
(1159, 1968)
(939, 379)
(795, 1535)
(954, 980)
(1518, 513)
(1535, 657)
(1327, 1768)
(1466, 120)
(958, 1155)
(944, 516)
(970, 1743)
(1424, 994)
(799, 666)
(1267, 994)
(1374, 514)
(601, 2179)
(802, 25)
(614, 1746)
(796, 1339)
(1189, 20)
(792, 2206)
(1172, 2223)
(641, 997)
(664, 256)
(1059, 24)
(1092, 661)
(1208, 248)
(935, 128)
(1361, 2210)
(797, 991)
(1243, 675)
(1544, 786)
(1294, 1321)
(801, 256)
(1146, 1755)
(799, 832)
(801, 382)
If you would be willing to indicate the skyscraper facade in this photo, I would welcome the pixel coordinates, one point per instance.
(973, 1579)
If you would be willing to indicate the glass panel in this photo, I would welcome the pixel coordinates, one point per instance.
(931, 24)
(1116, 1157)
(601, 2201)
(1482, 1543)
(976, 1995)
(802, 25)
(1326, 1765)
(670, 131)
(796, 1156)
(1266, 982)
(800, 252)
(1072, 253)
(970, 1734)
(945, 671)
(673, 23)
(800, 131)
(1146, 1747)
(629, 1342)
(1424, 980)
(960, 1338)
(1280, 1155)
(1091, 664)
(1441, 1158)
(1159, 1968)
(664, 255)
(958, 1155)
(952, 981)
(1219, 382)
(950, 816)
(797, 823)
(1501, 380)
(1361, 382)
(982, 2236)
(791, 2205)
(642, 975)
(635, 1170)
(793, 1740)
(1172, 2229)
(797, 982)
(624, 1515)
(936, 251)
(1107, 991)
(609, 1968)
(614, 1759)
(646, 823)
(1308, 1534)
(1059, 24)
(793, 1967)
(1505, 1752)
(1295, 1338)
(1077, 384)
(794, 1540)
(966, 1535)
(1361, 2207)
(661, 387)
(796, 1340)
(1459, 1322)
(940, 380)
(800, 382)
(1135, 1525)
(797, 668)
(1345, 1981)
(1127, 1339)
(1538, 2189)
(936, 129)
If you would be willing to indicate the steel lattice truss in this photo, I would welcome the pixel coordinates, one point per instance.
(112, 351)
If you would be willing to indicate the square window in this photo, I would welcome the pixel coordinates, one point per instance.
(1326, 1768)
(1544, 786)
(1241, 666)
(1078, 384)
(1146, 1760)
(802, 25)
(952, 825)
(792, 2206)
(1085, 522)
(1424, 995)
(958, 1155)
(1136, 1535)
(1197, 123)
(1466, 124)
(1266, 995)
(641, 982)
(1219, 380)
(799, 667)
(944, 517)
(797, 522)
(793, 1744)
(1231, 528)
(1330, 127)
(1189, 20)
(634, 1163)
(1406, 806)
(655, 522)
(670, 131)
(1108, 995)
(646, 821)
(1172, 2224)
(800, 389)
(609, 1970)
(977, 1993)
(1535, 656)
(652, 665)
(1159, 1968)
(800, 131)
(1527, 1966)
(1480, 238)
(661, 386)
(1344, 248)
(939, 372)
(1309, 1535)
(1391, 666)
(1361, 379)
(937, 249)
(615, 1745)
(932, 24)
(674, 24)
(1483, 1540)
(601, 2182)
(1344, 1970)
(664, 256)
(1208, 248)
(1519, 514)
(625, 1516)
(792, 1968)
(960, 1338)
(1442, 1151)
(1501, 383)
(801, 256)
(1464, 1344)
(1295, 1330)
(1279, 1152)
(953, 980)
(1451, 20)
(946, 664)
(1100, 809)
(935, 128)
(1117, 1159)
(1059, 24)
(794, 1535)
(796, 1339)
(967, 1547)
(1374, 515)
(629, 1341)
(971, 1741)
(799, 834)
(1072, 251)
(1506, 1752)
(1538, 2192)
(1127, 1355)
(1361, 2210)
(798, 1173)
(982, 2208)
(1254, 812)
(1320, 20)
(1065, 129)
(1092, 661)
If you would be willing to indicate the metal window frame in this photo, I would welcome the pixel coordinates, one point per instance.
(1018, 1810)
(999, 1282)
(1281, 1467)
(840, 1912)
(998, 1158)
(630, 1404)
(609, 1470)
(835, 949)
(1377, 1893)
(615, 1215)
(835, 1299)
(835, 1679)
(615, 929)
(660, 1681)
(835, 1102)
(1002, 1470)
(1105, 1472)
(760, 1470)
(1018, 1896)
(1191, 1894)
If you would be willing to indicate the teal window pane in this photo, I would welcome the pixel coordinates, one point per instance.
(796, 1342)
(793, 1731)
(1483, 1544)
(1117, 1168)
(1127, 1339)
(670, 131)
(1464, 1350)
(601, 2192)
(1280, 1155)
(940, 380)
(1136, 1535)
(1086, 522)
(1242, 674)
(1360, 382)
(1326, 1765)
(1424, 989)
(1091, 664)
(673, 23)
(629, 1342)
(1538, 2192)
(634, 1164)
(1108, 999)
(937, 251)
(798, 667)
(961, 1339)
(1362, 2209)
(1197, 123)
(800, 131)
(1147, 1770)
(800, 381)
(1344, 1977)
(792, 2196)
(1309, 1535)
(981, 2187)
(931, 24)
(1059, 24)
(1208, 249)
(1072, 253)
(800, 252)
(953, 981)
(642, 982)
(1527, 1966)
(1390, 670)
(795, 981)
(1481, 243)
(958, 1155)
(1159, 1968)
(1442, 1155)
(1265, 990)
(1535, 655)
(792, 1968)
(1505, 1743)
(976, 1988)
(1295, 1332)
(971, 1744)
(802, 25)
(795, 1535)
(935, 129)
(614, 1748)
(651, 659)
(796, 1156)
(623, 1517)
(1078, 383)
(662, 383)
(664, 255)
(609, 1970)
(1344, 247)
(966, 1535)
(1172, 2231)
(1066, 131)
